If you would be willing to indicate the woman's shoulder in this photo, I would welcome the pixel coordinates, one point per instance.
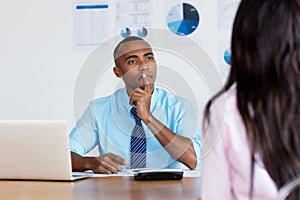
(228, 100)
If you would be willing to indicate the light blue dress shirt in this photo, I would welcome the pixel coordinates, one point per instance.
(107, 122)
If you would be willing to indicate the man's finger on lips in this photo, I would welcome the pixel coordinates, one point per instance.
(147, 88)
(144, 76)
(146, 82)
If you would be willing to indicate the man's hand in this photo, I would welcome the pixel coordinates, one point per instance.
(142, 100)
(179, 147)
(107, 164)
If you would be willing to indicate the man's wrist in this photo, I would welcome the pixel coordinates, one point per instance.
(149, 120)
(88, 162)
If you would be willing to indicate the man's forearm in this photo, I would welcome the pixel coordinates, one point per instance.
(79, 163)
(179, 147)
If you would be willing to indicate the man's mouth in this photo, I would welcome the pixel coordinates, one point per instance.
(147, 76)
(145, 79)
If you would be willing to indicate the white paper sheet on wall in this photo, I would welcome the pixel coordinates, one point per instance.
(226, 13)
(133, 17)
(91, 23)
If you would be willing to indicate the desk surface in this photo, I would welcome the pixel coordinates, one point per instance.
(107, 188)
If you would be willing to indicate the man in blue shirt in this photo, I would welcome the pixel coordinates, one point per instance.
(172, 134)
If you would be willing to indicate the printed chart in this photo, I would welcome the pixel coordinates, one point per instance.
(183, 19)
(227, 56)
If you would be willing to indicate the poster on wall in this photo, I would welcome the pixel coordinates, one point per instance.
(95, 21)
(224, 59)
(91, 23)
(184, 18)
(226, 13)
(133, 17)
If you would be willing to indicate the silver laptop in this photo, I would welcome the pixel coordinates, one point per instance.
(35, 150)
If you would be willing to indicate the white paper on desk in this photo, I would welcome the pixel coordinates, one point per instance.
(92, 174)
(191, 173)
(131, 172)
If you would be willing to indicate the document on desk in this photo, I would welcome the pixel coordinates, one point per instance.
(131, 172)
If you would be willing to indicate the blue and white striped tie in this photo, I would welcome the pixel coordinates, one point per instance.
(137, 143)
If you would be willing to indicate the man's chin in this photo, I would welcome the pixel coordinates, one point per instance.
(142, 87)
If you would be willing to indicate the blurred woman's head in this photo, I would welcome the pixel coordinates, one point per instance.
(265, 67)
(265, 64)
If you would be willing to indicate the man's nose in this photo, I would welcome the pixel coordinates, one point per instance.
(143, 67)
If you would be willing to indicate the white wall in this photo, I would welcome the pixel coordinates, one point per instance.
(38, 65)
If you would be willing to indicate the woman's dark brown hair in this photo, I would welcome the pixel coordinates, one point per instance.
(265, 66)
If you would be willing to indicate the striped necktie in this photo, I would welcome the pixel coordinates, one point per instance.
(137, 143)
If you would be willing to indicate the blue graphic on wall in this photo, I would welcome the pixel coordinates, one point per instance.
(227, 56)
(183, 19)
(125, 32)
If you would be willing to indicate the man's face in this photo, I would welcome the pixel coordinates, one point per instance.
(136, 64)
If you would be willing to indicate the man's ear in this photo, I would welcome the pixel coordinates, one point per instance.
(118, 72)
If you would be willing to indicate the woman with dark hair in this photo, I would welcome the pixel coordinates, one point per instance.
(258, 150)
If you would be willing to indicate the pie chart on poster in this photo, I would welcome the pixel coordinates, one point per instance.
(183, 19)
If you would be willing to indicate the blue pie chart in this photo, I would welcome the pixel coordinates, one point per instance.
(227, 56)
(183, 19)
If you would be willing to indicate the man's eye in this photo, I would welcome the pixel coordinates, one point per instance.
(150, 58)
(131, 62)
